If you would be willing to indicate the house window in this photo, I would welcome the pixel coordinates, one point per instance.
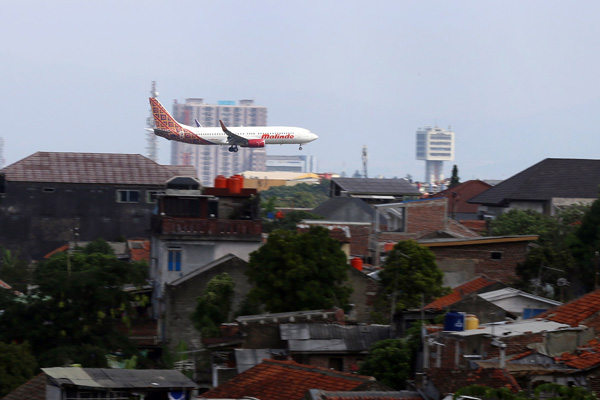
(151, 196)
(174, 260)
(496, 255)
(336, 363)
(128, 196)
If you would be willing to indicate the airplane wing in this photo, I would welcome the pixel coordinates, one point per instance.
(232, 137)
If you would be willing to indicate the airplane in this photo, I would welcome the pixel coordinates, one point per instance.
(249, 136)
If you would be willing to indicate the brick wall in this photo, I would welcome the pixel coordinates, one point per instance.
(424, 217)
(502, 269)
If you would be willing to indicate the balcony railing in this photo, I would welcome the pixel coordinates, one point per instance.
(249, 229)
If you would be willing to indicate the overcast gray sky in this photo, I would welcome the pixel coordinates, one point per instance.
(516, 80)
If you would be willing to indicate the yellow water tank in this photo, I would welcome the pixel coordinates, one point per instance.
(471, 322)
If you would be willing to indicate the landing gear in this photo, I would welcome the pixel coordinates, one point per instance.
(233, 148)
(300, 148)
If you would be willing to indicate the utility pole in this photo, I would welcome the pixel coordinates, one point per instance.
(364, 160)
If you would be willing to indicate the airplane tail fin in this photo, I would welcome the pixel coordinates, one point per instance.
(163, 120)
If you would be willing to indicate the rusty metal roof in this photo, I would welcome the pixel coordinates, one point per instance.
(98, 168)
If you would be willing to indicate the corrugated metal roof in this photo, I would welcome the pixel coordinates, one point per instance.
(508, 292)
(332, 337)
(510, 329)
(99, 168)
(119, 378)
(376, 186)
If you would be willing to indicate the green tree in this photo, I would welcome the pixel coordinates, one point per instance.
(301, 195)
(554, 391)
(409, 276)
(525, 222)
(389, 361)
(454, 180)
(299, 271)
(14, 271)
(78, 302)
(214, 305)
(546, 391)
(17, 366)
(553, 258)
(585, 246)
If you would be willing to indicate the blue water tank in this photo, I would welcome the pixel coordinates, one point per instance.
(454, 321)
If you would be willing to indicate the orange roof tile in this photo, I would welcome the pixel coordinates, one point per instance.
(584, 357)
(575, 312)
(139, 249)
(458, 293)
(448, 381)
(279, 380)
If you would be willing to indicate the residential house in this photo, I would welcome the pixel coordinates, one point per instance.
(491, 301)
(463, 259)
(334, 346)
(559, 345)
(49, 199)
(179, 299)
(458, 196)
(387, 223)
(288, 380)
(374, 191)
(194, 227)
(459, 209)
(104, 383)
(545, 187)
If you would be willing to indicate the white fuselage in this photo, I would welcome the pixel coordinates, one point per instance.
(270, 134)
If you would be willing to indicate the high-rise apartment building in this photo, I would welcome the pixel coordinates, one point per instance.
(435, 145)
(211, 161)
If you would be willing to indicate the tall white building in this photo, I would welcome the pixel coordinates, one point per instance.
(435, 145)
(211, 161)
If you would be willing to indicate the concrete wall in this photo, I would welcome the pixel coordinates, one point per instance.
(39, 217)
(180, 301)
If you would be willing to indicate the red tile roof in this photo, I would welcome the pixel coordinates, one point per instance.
(99, 168)
(575, 312)
(458, 293)
(448, 381)
(284, 380)
(34, 389)
(584, 357)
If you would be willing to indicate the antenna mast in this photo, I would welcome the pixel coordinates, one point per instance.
(364, 160)
(151, 140)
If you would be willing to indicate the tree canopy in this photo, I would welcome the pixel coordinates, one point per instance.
(214, 305)
(301, 195)
(299, 271)
(74, 309)
(455, 179)
(555, 256)
(409, 272)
